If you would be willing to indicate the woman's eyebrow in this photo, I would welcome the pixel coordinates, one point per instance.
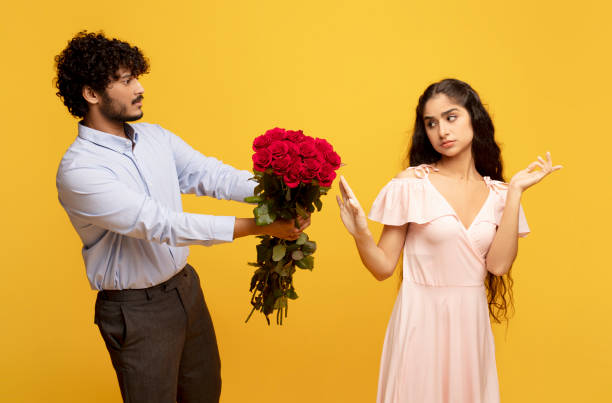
(443, 113)
(449, 111)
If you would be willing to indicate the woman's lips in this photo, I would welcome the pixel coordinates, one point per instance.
(448, 143)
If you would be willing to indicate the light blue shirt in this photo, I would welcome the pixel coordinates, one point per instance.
(125, 203)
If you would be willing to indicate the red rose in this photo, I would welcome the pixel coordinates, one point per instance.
(307, 174)
(333, 158)
(278, 149)
(276, 134)
(293, 150)
(321, 157)
(310, 169)
(295, 136)
(262, 160)
(323, 146)
(260, 142)
(308, 149)
(292, 178)
(281, 165)
(326, 175)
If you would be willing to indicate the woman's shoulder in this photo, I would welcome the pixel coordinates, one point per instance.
(407, 173)
(496, 184)
(415, 172)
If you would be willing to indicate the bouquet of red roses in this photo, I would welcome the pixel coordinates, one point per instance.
(292, 171)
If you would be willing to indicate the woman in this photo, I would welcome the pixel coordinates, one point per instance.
(457, 224)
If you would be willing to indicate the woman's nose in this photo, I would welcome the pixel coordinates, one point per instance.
(442, 129)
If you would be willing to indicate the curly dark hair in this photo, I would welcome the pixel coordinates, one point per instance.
(93, 59)
(488, 162)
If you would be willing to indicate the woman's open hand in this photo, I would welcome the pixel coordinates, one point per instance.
(351, 213)
(530, 176)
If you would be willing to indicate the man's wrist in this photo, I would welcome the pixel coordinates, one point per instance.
(245, 227)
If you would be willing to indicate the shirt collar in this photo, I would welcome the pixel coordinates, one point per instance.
(115, 143)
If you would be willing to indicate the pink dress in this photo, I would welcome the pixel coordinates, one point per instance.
(439, 345)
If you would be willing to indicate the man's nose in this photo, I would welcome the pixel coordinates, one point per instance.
(139, 88)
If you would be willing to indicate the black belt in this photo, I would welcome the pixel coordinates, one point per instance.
(147, 293)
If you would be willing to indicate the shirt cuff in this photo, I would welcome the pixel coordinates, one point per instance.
(223, 228)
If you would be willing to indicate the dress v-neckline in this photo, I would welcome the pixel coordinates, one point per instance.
(455, 212)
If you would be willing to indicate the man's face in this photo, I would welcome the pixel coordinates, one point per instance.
(122, 98)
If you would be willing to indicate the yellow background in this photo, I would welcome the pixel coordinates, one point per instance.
(350, 71)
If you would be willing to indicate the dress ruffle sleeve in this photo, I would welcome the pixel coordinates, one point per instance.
(405, 200)
(501, 191)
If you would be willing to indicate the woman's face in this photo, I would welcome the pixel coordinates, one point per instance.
(448, 125)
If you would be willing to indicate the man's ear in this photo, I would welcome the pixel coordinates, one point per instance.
(90, 95)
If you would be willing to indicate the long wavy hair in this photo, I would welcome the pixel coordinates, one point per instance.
(487, 158)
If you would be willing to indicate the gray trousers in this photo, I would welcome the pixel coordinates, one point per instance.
(161, 341)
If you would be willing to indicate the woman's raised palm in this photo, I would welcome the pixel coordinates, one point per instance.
(351, 213)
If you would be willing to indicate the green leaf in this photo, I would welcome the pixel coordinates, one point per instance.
(291, 294)
(280, 303)
(286, 269)
(262, 209)
(285, 214)
(292, 246)
(306, 263)
(278, 267)
(265, 219)
(309, 247)
(297, 255)
(324, 189)
(278, 252)
(302, 239)
(254, 280)
(318, 203)
(253, 199)
(301, 211)
(262, 250)
(309, 261)
(268, 305)
(288, 194)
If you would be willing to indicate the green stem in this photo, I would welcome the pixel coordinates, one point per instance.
(249, 317)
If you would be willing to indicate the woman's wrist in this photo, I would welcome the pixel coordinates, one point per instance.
(514, 192)
(361, 236)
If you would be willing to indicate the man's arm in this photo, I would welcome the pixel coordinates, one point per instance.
(284, 229)
(94, 195)
(207, 176)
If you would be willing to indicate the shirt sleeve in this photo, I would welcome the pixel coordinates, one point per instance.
(207, 176)
(95, 196)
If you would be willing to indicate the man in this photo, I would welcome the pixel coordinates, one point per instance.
(120, 184)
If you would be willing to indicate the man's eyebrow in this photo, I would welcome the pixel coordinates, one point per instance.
(443, 113)
(124, 75)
